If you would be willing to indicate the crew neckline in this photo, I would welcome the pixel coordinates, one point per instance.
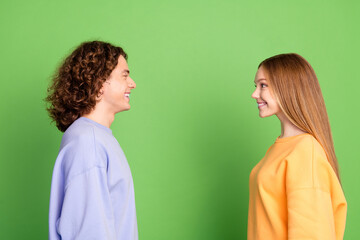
(286, 139)
(96, 124)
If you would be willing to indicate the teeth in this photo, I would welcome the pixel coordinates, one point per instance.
(127, 94)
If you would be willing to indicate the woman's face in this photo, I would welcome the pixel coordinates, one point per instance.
(265, 101)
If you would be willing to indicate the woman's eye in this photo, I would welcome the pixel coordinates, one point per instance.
(263, 85)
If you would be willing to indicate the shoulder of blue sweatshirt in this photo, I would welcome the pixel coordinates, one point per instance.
(83, 147)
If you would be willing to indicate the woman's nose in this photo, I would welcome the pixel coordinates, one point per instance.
(255, 94)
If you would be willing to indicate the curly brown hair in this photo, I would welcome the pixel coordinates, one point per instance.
(77, 83)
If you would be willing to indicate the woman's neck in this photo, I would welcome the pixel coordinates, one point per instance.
(288, 129)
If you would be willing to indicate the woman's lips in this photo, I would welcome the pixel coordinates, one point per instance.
(261, 104)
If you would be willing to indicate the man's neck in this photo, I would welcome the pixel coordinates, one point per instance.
(101, 116)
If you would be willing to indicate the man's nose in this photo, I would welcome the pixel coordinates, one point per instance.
(132, 84)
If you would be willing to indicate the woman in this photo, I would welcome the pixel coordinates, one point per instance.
(295, 190)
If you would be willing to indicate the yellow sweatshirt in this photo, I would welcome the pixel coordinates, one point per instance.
(295, 194)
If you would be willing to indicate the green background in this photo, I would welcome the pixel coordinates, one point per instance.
(193, 133)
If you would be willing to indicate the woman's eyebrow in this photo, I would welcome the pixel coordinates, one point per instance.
(258, 80)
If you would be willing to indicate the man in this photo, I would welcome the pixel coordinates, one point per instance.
(92, 193)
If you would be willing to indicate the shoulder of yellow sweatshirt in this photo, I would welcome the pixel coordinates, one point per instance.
(295, 193)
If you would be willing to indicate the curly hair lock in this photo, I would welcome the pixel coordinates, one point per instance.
(78, 81)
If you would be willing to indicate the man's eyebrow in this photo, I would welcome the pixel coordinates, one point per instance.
(258, 80)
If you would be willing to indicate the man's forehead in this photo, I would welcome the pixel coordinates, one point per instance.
(122, 64)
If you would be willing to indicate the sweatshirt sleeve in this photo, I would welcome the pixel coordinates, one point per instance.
(315, 201)
(86, 208)
(86, 211)
(310, 215)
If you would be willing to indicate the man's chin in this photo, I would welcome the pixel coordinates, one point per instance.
(124, 109)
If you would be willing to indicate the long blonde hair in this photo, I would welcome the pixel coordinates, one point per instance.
(296, 88)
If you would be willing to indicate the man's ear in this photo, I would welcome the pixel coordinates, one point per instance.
(102, 90)
(99, 95)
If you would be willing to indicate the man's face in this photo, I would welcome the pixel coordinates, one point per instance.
(116, 90)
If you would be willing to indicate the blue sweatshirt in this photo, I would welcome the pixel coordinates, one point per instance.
(92, 191)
